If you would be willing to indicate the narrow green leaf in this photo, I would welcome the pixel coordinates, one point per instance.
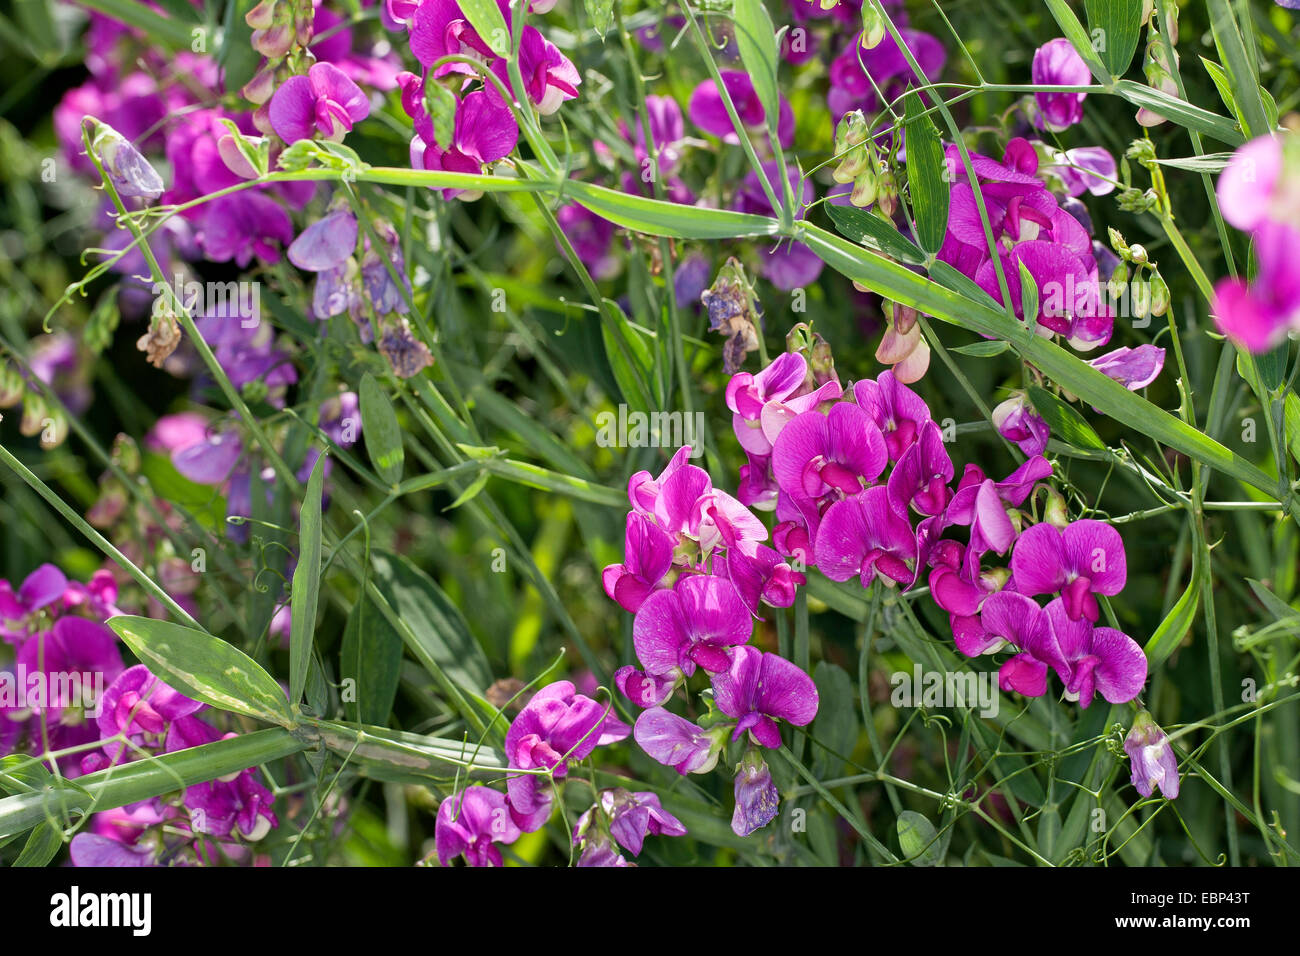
(1275, 606)
(1028, 296)
(1240, 68)
(1181, 112)
(1066, 424)
(371, 657)
(440, 103)
(305, 595)
(982, 349)
(926, 184)
(756, 40)
(1118, 24)
(674, 220)
(205, 667)
(870, 230)
(631, 359)
(380, 430)
(41, 846)
(438, 633)
(1176, 624)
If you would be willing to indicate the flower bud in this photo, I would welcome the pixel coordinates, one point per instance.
(864, 189)
(1159, 295)
(757, 800)
(1055, 512)
(1152, 758)
(129, 172)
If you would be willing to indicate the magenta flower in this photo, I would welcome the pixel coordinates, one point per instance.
(140, 707)
(765, 403)
(920, 479)
(550, 78)
(438, 29)
(325, 101)
(1152, 758)
(238, 806)
(841, 451)
(676, 742)
(1084, 560)
(897, 411)
(39, 590)
(1088, 659)
(707, 111)
(1018, 422)
(1057, 64)
(692, 625)
(886, 69)
(761, 688)
(864, 536)
(648, 557)
(1257, 195)
(630, 818)
(759, 574)
(1089, 169)
(557, 728)
(470, 823)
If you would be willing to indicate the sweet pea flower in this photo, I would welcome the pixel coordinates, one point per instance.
(237, 805)
(676, 742)
(39, 590)
(842, 451)
(140, 707)
(759, 574)
(759, 689)
(708, 112)
(763, 404)
(1133, 368)
(470, 824)
(130, 173)
(1017, 421)
(1151, 757)
(1088, 169)
(1258, 194)
(757, 799)
(1056, 63)
(692, 625)
(864, 536)
(555, 729)
(325, 101)
(631, 817)
(1084, 560)
(856, 74)
(550, 78)
(648, 557)
(898, 411)
(920, 479)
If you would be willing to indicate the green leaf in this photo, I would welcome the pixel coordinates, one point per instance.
(982, 349)
(1275, 606)
(380, 429)
(1074, 31)
(41, 846)
(601, 13)
(371, 657)
(1067, 425)
(630, 357)
(485, 17)
(926, 184)
(436, 630)
(918, 839)
(1181, 112)
(1120, 23)
(205, 667)
(1028, 296)
(305, 595)
(756, 39)
(870, 230)
(1240, 68)
(674, 220)
(440, 103)
(1174, 627)
(836, 726)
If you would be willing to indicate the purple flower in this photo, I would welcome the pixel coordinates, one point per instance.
(1152, 759)
(863, 536)
(550, 78)
(760, 688)
(1084, 560)
(1057, 64)
(130, 172)
(470, 823)
(648, 556)
(211, 460)
(1257, 195)
(141, 708)
(708, 112)
(325, 101)
(1086, 169)
(629, 817)
(228, 806)
(1133, 368)
(556, 728)
(439, 29)
(676, 742)
(765, 403)
(91, 849)
(693, 624)
(897, 411)
(757, 800)
(759, 574)
(39, 589)
(920, 479)
(591, 236)
(326, 243)
(854, 81)
(841, 451)
(1017, 421)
